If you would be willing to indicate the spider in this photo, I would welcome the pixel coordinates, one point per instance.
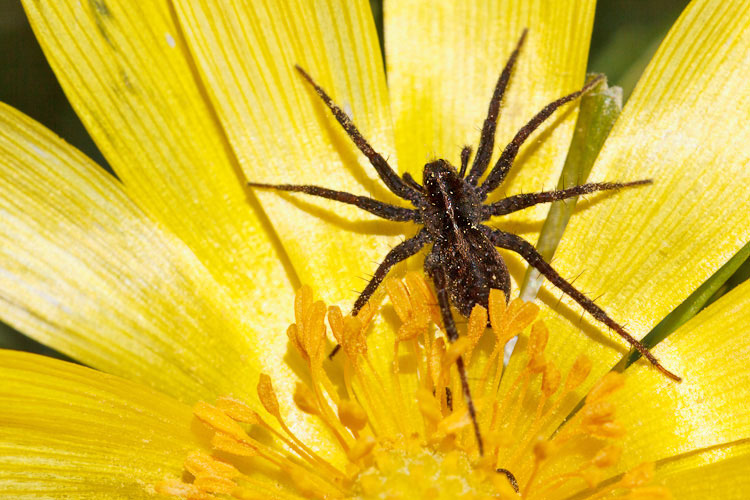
(463, 263)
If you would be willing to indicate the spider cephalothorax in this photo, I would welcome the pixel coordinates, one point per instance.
(450, 204)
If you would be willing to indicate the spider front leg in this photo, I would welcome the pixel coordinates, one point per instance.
(410, 181)
(465, 154)
(487, 139)
(438, 278)
(503, 164)
(520, 201)
(375, 207)
(526, 250)
(384, 170)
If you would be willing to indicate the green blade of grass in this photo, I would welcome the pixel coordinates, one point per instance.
(733, 272)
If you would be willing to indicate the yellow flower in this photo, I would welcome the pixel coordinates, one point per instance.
(178, 284)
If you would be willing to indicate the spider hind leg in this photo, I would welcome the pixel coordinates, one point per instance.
(438, 279)
(531, 255)
(400, 252)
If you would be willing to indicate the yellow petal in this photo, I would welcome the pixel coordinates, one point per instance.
(642, 251)
(71, 432)
(128, 74)
(444, 59)
(710, 406)
(87, 272)
(663, 420)
(282, 133)
(719, 472)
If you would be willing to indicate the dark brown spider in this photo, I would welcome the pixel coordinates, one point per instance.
(463, 263)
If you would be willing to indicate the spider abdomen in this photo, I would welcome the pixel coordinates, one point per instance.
(466, 260)
(469, 280)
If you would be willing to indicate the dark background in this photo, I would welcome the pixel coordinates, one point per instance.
(626, 33)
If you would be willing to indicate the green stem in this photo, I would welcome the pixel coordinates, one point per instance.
(597, 113)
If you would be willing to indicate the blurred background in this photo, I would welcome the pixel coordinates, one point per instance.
(626, 34)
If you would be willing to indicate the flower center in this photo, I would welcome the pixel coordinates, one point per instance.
(419, 472)
(399, 425)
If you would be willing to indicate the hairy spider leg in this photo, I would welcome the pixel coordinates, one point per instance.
(487, 138)
(450, 329)
(526, 250)
(511, 478)
(503, 164)
(375, 207)
(465, 154)
(400, 252)
(410, 181)
(384, 170)
(520, 201)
